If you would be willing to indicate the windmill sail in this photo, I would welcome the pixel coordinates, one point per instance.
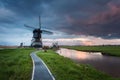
(39, 22)
(47, 32)
(29, 26)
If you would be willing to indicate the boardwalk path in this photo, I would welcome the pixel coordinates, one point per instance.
(40, 70)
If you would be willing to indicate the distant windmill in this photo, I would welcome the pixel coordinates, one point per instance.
(37, 38)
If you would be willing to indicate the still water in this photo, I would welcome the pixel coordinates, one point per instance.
(107, 64)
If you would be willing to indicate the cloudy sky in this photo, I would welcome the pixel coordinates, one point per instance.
(74, 22)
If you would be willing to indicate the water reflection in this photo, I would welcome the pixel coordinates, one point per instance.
(79, 54)
(107, 64)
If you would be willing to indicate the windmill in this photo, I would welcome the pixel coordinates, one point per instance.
(37, 35)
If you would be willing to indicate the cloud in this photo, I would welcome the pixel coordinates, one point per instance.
(106, 17)
(69, 18)
(106, 23)
(101, 2)
(103, 23)
(25, 7)
(6, 16)
(10, 36)
(90, 40)
(73, 7)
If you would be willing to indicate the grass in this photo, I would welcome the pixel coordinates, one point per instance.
(15, 64)
(106, 50)
(65, 69)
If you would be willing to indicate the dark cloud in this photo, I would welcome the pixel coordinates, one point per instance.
(82, 21)
(100, 18)
(101, 2)
(107, 23)
(25, 7)
(8, 21)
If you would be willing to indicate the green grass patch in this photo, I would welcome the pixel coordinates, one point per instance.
(65, 69)
(106, 50)
(15, 64)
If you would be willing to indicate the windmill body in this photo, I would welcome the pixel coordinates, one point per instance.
(37, 38)
(37, 35)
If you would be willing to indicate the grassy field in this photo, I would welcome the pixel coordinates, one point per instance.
(15, 64)
(106, 50)
(65, 69)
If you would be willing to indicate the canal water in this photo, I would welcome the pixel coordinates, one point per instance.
(107, 64)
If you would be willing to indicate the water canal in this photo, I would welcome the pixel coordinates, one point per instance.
(107, 64)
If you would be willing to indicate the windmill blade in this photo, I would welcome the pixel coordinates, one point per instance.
(40, 22)
(46, 32)
(29, 26)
